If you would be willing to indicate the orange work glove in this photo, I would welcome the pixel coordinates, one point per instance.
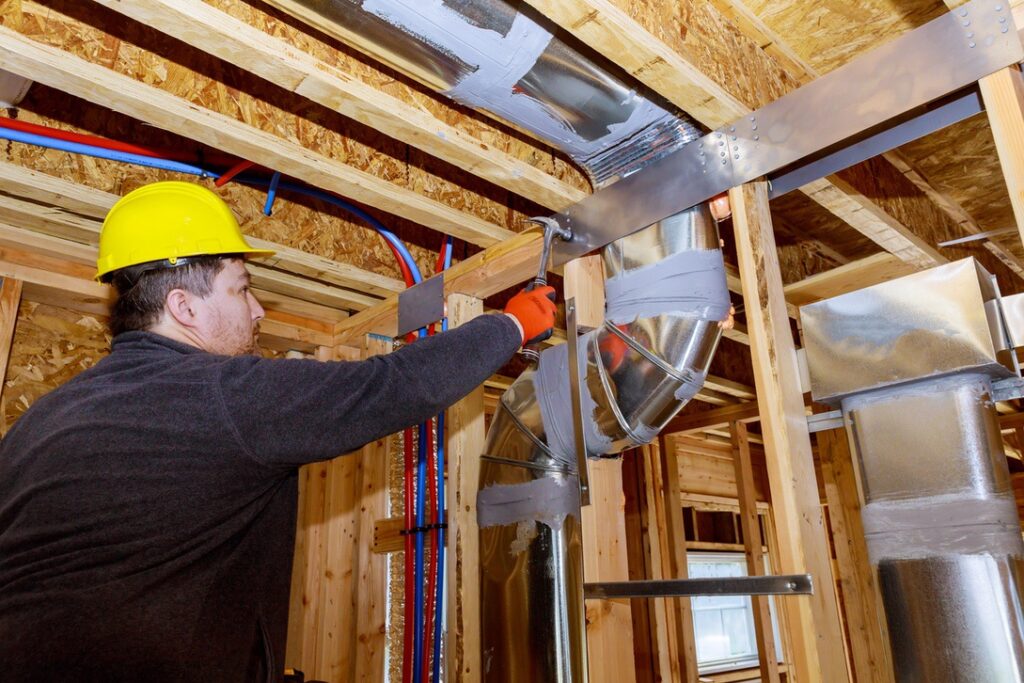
(534, 310)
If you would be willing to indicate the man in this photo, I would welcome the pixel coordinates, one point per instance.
(147, 507)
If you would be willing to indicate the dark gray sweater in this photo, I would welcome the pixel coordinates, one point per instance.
(147, 507)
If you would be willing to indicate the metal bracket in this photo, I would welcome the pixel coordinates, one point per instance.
(789, 584)
(941, 57)
(819, 422)
(1008, 389)
(579, 434)
(421, 305)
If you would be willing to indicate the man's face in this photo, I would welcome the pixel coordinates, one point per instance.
(230, 315)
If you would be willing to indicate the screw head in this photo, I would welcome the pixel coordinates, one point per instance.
(970, 44)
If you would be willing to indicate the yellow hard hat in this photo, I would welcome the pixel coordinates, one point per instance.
(166, 221)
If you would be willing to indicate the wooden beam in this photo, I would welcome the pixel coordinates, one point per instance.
(10, 299)
(816, 631)
(66, 72)
(371, 596)
(846, 202)
(279, 62)
(708, 419)
(658, 547)
(751, 528)
(1003, 93)
(847, 278)
(862, 603)
(76, 212)
(465, 444)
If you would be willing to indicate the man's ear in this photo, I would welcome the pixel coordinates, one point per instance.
(180, 306)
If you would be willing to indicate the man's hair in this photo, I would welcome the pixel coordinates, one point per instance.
(141, 295)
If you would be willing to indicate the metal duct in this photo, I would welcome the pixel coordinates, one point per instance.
(911, 362)
(489, 55)
(666, 294)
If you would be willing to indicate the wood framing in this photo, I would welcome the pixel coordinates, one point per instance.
(10, 299)
(816, 630)
(862, 603)
(465, 444)
(767, 660)
(369, 632)
(275, 60)
(717, 74)
(682, 609)
(71, 74)
(1003, 93)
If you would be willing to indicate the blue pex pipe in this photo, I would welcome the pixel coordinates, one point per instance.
(272, 192)
(421, 499)
(101, 153)
(190, 169)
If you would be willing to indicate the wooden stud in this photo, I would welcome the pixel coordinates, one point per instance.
(465, 425)
(583, 280)
(10, 299)
(1003, 93)
(862, 604)
(371, 591)
(609, 622)
(817, 634)
(677, 563)
(748, 517)
(664, 626)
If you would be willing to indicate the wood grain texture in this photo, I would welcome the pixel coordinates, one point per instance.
(816, 632)
(274, 59)
(682, 608)
(862, 603)
(609, 622)
(10, 300)
(369, 634)
(465, 445)
(769, 665)
(1003, 93)
(89, 80)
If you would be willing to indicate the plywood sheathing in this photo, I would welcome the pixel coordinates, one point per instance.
(829, 34)
(702, 35)
(141, 54)
(961, 161)
(51, 345)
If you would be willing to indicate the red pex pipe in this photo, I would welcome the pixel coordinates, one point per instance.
(106, 143)
(429, 596)
(410, 469)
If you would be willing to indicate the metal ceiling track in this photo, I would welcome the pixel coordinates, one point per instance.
(946, 55)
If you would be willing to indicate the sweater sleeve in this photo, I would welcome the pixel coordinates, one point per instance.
(291, 412)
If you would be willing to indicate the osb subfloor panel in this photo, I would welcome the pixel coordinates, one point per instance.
(961, 161)
(827, 34)
(51, 345)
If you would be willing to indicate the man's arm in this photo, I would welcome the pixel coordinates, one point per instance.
(290, 412)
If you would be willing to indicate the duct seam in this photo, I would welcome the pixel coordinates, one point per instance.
(606, 383)
(952, 524)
